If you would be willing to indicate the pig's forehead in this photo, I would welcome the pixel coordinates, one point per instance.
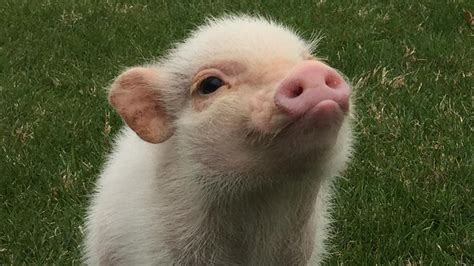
(246, 39)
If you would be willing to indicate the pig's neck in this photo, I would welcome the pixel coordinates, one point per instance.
(268, 225)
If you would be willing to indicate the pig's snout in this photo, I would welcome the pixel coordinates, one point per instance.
(310, 87)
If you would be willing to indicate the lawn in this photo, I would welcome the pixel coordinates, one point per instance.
(407, 197)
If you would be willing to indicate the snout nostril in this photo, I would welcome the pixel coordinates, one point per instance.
(296, 92)
(332, 81)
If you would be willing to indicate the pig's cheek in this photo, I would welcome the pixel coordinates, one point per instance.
(264, 115)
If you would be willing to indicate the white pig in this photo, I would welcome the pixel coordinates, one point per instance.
(231, 145)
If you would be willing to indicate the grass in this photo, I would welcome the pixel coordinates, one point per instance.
(407, 197)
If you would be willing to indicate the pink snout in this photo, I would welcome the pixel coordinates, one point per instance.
(313, 88)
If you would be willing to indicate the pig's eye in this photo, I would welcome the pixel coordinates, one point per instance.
(210, 85)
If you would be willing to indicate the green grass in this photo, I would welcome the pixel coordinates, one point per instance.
(407, 197)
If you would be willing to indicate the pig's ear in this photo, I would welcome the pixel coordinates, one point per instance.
(137, 96)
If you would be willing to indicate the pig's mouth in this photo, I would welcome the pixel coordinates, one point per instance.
(305, 131)
(276, 118)
(326, 115)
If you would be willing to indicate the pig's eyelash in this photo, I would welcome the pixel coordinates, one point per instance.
(202, 75)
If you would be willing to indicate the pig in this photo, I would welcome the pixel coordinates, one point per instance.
(231, 145)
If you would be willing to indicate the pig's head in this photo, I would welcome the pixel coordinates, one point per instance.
(241, 95)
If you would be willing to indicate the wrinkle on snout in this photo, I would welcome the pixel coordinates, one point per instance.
(265, 116)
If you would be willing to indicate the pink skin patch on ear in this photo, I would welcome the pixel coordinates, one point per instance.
(136, 97)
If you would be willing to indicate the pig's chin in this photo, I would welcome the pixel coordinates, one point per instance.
(314, 132)
(325, 116)
(291, 139)
(268, 119)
